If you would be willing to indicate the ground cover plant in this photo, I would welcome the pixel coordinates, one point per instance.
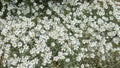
(59, 34)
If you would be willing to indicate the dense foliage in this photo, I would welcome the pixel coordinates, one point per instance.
(59, 33)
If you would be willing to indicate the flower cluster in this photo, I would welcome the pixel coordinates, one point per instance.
(71, 34)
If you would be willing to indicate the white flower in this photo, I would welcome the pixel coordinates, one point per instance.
(4, 31)
(82, 26)
(118, 33)
(1, 13)
(110, 12)
(93, 44)
(26, 10)
(48, 12)
(36, 8)
(79, 57)
(38, 27)
(105, 5)
(111, 18)
(14, 44)
(108, 46)
(20, 44)
(41, 6)
(10, 7)
(21, 66)
(35, 61)
(98, 37)
(100, 21)
(116, 40)
(33, 10)
(90, 30)
(25, 47)
(85, 41)
(103, 58)
(92, 55)
(13, 61)
(18, 12)
(82, 66)
(47, 26)
(67, 60)
(101, 12)
(1, 52)
(62, 57)
(33, 51)
(60, 53)
(105, 18)
(35, 14)
(6, 56)
(31, 0)
(76, 46)
(84, 16)
(56, 58)
(32, 34)
(17, 32)
(52, 44)
(102, 50)
(25, 39)
(111, 34)
(87, 65)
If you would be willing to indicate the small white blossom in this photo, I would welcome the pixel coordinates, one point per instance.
(67, 60)
(92, 55)
(79, 57)
(48, 12)
(53, 44)
(103, 58)
(116, 40)
(56, 58)
(82, 66)
(37, 34)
